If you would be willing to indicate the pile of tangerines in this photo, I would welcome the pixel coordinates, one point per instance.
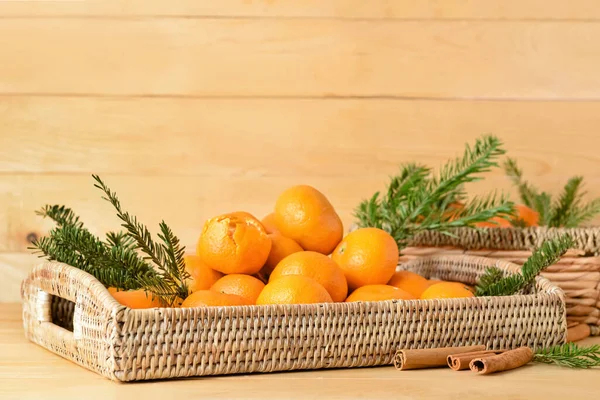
(297, 255)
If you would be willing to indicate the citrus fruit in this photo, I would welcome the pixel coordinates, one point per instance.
(304, 214)
(433, 282)
(367, 256)
(269, 223)
(523, 216)
(281, 247)
(234, 243)
(201, 276)
(410, 282)
(209, 298)
(529, 216)
(135, 298)
(496, 222)
(379, 293)
(245, 286)
(293, 289)
(446, 290)
(316, 266)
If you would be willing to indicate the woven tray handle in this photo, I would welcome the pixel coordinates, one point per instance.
(89, 296)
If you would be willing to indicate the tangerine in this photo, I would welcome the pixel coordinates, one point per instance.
(135, 298)
(281, 247)
(410, 282)
(316, 266)
(269, 223)
(447, 290)
(379, 293)
(433, 282)
(304, 214)
(244, 286)
(495, 222)
(293, 289)
(209, 298)
(367, 256)
(234, 243)
(528, 215)
(201, 276)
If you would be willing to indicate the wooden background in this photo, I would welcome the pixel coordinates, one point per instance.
(189, 108)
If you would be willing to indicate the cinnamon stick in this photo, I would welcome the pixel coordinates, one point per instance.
(428, 358)
(458, 362)
(502, 362)
(578, 332)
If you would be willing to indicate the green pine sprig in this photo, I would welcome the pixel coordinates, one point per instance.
(495, 283)
(61, 215)
(570, 355)
(417, 200)
(567, 210)
(116, 262)
(167, 256)
(72, 244)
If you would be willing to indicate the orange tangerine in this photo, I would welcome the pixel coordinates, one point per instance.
(244, 286)
(447, 290)
(367, 256)
(304, 214)
(209, 298)
(281, 247)
(379, 293)
(234, 243)
(293, 289)
(316, 266)
(527, 215)
(410, 282)
(135, 298)
(496, 222)
(201, 276)
(269, 223)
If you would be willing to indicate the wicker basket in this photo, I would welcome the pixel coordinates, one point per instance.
(577, 273)
(70, 313)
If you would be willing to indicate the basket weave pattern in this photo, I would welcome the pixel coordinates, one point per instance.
(128, 345)
(577, 272)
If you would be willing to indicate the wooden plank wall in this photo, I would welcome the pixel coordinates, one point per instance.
(189, 108)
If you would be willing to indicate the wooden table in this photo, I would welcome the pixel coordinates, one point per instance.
(28, 371)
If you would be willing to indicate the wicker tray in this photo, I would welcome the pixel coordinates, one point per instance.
(71, 314)
(577, 273)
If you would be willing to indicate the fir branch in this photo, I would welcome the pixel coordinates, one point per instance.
(61, 215)
(368, 213)
(416, 200)
(543, 205)
(566, 211)
(120, 240)
(548, 253)
(570, 355)
(567, 202)
(490, 277)
(454, 174)
(580, 215)
(167, 257)
(115, 263)
(527, 193)
(174, 252)
(46, 247)
(78, 247)
(480, 208)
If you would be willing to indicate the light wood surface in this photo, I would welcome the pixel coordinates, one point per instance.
(190, 108)
(373, 9)
(28, 371)
(300, 57)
